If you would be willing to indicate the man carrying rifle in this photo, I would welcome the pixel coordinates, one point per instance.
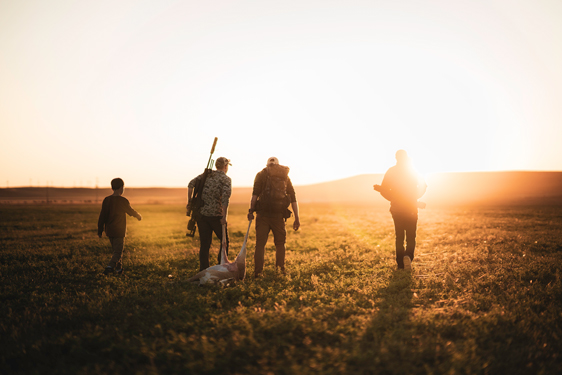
(212, 214)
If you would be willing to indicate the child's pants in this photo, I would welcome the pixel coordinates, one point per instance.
(117, 244)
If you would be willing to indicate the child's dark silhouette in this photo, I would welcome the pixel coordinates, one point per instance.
(114, 220)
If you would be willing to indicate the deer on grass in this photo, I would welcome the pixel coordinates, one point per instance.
(226, 271)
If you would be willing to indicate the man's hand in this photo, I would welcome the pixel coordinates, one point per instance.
(187, 209)
(139, 218)
(296, 224)
(250, 215)
(223, 220)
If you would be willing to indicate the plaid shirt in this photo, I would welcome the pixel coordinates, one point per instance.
(216, 192)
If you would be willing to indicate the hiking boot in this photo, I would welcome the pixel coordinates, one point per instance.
(407, 263)
(108, 270)
(119, 271)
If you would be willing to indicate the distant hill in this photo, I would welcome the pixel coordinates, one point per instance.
(499, 188)
(352, 189)
(480, 188)
(467, 188)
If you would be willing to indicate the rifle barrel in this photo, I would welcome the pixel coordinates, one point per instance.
(210, 161)
(214, 144)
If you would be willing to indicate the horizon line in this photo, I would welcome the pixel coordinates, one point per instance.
(249, 187)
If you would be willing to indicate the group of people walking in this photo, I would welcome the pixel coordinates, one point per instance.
(272, 195)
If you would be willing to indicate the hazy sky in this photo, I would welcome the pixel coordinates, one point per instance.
(91, 90)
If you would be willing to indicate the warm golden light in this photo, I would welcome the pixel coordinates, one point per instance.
(332, 91)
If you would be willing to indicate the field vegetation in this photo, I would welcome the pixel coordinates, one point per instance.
(484, 296)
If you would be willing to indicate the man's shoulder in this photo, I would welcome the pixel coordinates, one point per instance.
(261, 174)
(394, 170)
(198, 177)
(226, 178)
(221, 175)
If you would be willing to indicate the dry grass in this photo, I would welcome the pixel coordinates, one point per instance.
(485, 296)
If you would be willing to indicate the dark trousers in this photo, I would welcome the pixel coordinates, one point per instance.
(207, 225)
(264, 225)
(405, 225)
(117, 245)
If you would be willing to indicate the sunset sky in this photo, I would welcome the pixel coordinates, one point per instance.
(92, 90)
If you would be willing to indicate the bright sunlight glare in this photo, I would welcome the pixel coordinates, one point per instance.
(92, 90)
(356, 122)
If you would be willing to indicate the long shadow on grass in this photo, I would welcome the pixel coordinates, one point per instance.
(382, 346)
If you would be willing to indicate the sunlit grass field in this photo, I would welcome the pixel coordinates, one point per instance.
(484, 296)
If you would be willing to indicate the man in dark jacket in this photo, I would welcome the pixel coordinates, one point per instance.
(402, 186)
(272, 194)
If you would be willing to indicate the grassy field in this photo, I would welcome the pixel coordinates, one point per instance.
(484, 296)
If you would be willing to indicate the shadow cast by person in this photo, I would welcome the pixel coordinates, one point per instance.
(387, 337)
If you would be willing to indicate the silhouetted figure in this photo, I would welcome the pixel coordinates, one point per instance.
(113, 220)
(272, 194)
(213, 214)
(402, 186)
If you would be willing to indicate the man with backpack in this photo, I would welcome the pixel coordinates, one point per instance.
(272, 194)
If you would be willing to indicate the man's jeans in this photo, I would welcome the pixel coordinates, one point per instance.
(405, 225)
(264, 225)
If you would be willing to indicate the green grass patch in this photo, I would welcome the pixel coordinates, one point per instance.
(484, 296)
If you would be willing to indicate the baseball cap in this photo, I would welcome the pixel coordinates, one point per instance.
(222, 161)
(272, 160)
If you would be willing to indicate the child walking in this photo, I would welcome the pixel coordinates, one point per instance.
(113, 218)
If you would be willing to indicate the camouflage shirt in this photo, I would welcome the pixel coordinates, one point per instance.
(216, 192)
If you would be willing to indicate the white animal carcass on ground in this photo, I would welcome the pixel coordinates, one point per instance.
(226, 271)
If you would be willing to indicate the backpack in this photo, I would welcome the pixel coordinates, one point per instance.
(274, 198)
